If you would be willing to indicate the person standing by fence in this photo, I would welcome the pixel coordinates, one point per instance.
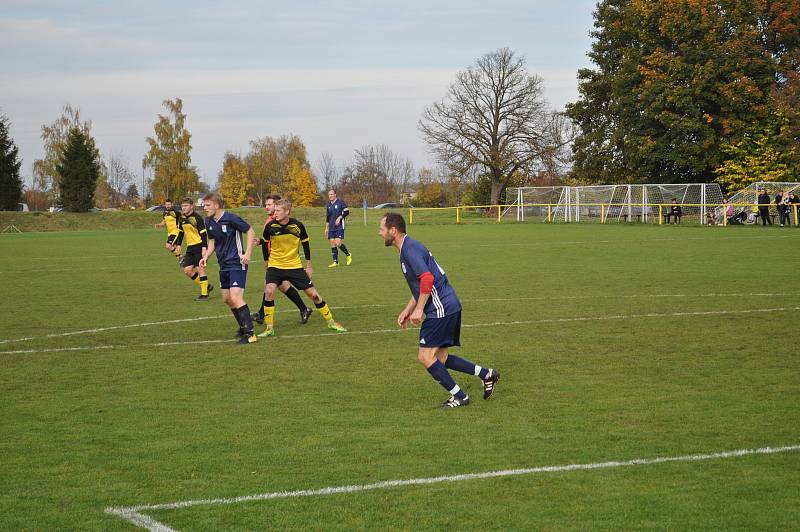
(763, 207)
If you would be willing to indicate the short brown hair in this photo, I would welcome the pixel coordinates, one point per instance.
(215, 197)
(395, 220)
(286, 204)
(190, 201)
(273, 197)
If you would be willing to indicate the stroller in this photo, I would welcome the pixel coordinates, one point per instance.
(737, 219)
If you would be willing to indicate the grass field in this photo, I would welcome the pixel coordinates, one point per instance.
(615, 342)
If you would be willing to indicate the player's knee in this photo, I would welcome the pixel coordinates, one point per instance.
(426, 357)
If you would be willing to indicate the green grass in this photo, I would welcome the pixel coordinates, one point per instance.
(141, 424)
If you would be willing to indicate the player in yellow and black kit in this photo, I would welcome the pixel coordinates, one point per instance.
(170, 221)
(192, 229)
(285, 235)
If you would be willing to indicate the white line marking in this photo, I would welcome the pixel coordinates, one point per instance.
(386, 331)
(134, 513)
(482, 300)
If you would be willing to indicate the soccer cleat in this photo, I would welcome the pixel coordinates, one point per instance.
(210, 288)
(333, 265)
(332, 325)
(267, 333)
(201, 298)
(256, 317)
(350, 259)
(489, 382)
(455, 402)
(305, 314)
(248, 339)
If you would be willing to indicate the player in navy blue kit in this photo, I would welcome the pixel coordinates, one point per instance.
(435, 304)
(334, 228)
(231, 238)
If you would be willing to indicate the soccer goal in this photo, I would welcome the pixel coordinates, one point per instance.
(749, 196)
(646, 203)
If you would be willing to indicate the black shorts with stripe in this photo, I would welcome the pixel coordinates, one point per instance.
(171, 238)
(297, 276)
(192, 257)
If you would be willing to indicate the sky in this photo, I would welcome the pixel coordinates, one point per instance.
(341, 75)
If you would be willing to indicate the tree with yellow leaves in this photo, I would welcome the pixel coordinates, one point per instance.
(302, 186)
(233, 180)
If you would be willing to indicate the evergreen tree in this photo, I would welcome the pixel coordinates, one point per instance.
(78, 171)
(10, 182)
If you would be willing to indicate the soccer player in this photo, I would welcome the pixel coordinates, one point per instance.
(334, 228)
(225, 231)
(285, 287)
(285, 235)
(434, 298)
(170, 221)
(192, 228)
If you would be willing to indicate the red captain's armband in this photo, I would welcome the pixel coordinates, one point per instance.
(425, 283)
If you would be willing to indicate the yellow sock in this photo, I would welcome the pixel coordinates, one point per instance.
(196, 279)
(269, 315)
(204, 286)
(325, 311)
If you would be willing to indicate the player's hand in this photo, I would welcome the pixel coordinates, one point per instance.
(338, 221)
(203, 262)
(416, 316)
(244, 259)
(169, 247)
(177, 248)
(402, 319)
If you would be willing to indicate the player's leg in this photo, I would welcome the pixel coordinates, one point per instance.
(294, 296)
(320, 303)
(334, 251)
(344, 249)
(269, 305)
(427, 357)
(239, 307)
(258, 317)
(171, 247)
(450, 335)
(205, 288)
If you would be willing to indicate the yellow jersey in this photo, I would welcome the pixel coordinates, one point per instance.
(284, 242)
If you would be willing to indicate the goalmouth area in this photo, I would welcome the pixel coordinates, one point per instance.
(649, 380)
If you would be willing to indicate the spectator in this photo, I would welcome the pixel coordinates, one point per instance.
(794, 206)
(711, 218)
(782, 202)
(675, 211)
(763, 207)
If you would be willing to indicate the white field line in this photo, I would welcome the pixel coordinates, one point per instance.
(134, 513)
(480, 300)
(642, 241)
(396, 330)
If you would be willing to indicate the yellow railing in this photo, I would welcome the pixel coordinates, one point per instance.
(606, 210)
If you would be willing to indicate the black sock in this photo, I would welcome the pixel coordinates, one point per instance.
(235, 312)
(243, 317)
(261, 310)
(344, 249)
(194, 276)
(294, 297)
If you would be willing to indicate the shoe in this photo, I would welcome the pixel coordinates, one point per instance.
(248, 339)
(333, 265)
(267, 333)
(201, 298)
(257, 318)
(455, 402)
(332, 325)
(210, 288)
(305, 314)
(349, 259)
(489, 382)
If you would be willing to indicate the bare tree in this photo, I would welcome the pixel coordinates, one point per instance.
(328, 171)
(494, 117)
(119, 175)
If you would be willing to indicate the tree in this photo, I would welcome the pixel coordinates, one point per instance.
(268, 163)
(494, 117)
(675, 80)
(132, 192)
(10, 182)
(328, 171)
(78, 171)
(233, 180)
(45, 175)
(169, 155)
(302, 185)
(119, 175)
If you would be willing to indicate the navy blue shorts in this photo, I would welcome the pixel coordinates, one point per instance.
(335, 233)
(232, 279)
(441, 332)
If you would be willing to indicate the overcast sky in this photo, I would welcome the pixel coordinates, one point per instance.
(338, 74)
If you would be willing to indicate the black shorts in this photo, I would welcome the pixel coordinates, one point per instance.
(171, 238)
(441, 332)
(192, 257)
(298, 277)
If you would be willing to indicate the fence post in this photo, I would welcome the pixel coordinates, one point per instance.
(603, 213)
(724, 215)
(498, 214)
(549, 214)
(457, 216)
(410, 216)
(660, 214)
(795, 214)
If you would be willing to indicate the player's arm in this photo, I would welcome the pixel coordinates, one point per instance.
(207, 252)
(345, 211)
(402, 318)
(425, 287)
(248, 251)
(304, 241)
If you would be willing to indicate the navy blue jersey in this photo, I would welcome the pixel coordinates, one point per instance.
(227, 233)
(415, 259)
(336, 209)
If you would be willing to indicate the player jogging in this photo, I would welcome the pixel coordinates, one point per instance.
(285, 235)
(334, 228)
(285, 287)
(170, 221)
(192, 229)
(225, 237)
(434, 298)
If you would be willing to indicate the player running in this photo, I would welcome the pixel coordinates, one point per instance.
(170, 221)
(192, 228)
(434, 298)
(285, 235)
(285, 287)
(334, 228)
(225, 231)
